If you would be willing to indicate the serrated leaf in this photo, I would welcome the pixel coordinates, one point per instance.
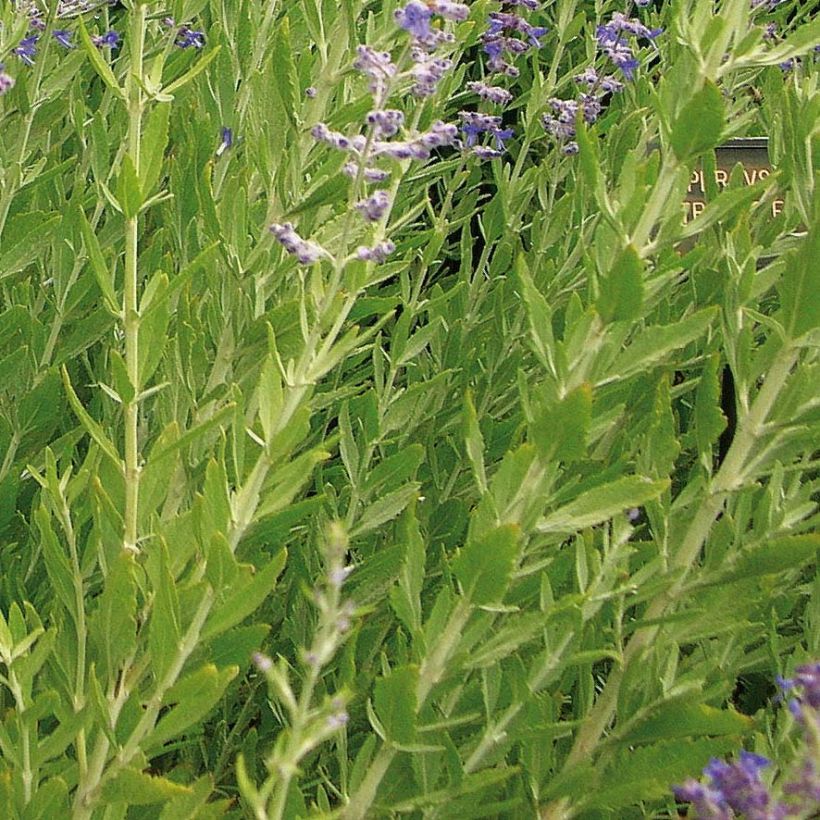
(699, 125)
(655, 342)
(129, 191)
(102, 274)
(602, 503)
(621, 296)
(710, 421)
(246, 594)
(135, 788)
(395, 703)
(484, 565)
(164, 627)
(685, 719)
(474, 443)
(386, 508)
(154, 141)
(194, 695)
(58, 567)
(800, 287)
(113, 627)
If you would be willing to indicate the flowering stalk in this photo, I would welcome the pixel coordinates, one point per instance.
(130, 306)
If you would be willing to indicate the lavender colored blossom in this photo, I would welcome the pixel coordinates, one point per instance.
(310, 92)
(188, 38)
(27, 49)
(374, 207)
(378, 67)
(111, 39)
(490, 93)
(378, 253)
(306, 252)
(473, 124)
(458, 12)
(532, 5)
(483, 152)
(337, 720)
(415, 18)
(386, 122)
(439, 135)
(335, 139)
(611, 40)
(351, 169)
(426, 72)
(63, 37)
(6, 81)
(505, 21)
(709, 803)
(805, 790)
(262, 662)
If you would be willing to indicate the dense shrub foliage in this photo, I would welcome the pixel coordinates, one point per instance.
(377, 437)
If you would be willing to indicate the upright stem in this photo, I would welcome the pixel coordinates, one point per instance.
(130, 306)
(731, 476)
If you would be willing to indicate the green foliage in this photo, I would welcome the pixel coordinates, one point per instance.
(509, 524)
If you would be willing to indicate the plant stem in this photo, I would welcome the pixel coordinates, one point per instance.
(130, 307)
(731, 476)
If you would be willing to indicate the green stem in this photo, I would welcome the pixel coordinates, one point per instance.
(730, 477)
(130, 307)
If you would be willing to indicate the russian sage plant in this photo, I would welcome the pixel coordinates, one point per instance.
(376, 436)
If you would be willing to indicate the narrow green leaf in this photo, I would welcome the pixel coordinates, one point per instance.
(386, 508)
(484, 565)
(57, 564)
(246, 594)
(164, 627)
(193, 72)
(395, 703)
(800, 287)
(113, 626)
(129, 192)
(602, 503)
(621, 297)
(100, 65)
(710, 421)
(474, 443)
(194, 696)
(154, 141)
(699, 125)
(102, 274)
(92, 427)
(135, 788)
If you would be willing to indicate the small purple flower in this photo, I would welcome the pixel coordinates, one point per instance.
(227, 141)
(473, 124)
(805, 790)
(310, 92)
(262, 662)
(351, 169)
(111, 39)
(337, 140)
(188, 38)
(385, 122)
(427, 72)
(709, 803)
(378, 253)
(27, 49)
(490, 93)
(571, 148)
(63, 37)
(482, 152)
(440, 134)
(337, 720)
(6, 81)
(377, 67)
(415, 18)
(374, 207)
(306, 252)
(457, 12)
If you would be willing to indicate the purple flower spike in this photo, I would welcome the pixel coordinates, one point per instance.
(378, 253)
(490, 93)
(386, 122)
(351, 169)
(374, 207)
(709, 804)
(63, 37)
(27, 49)
(450, 11)
(306, 252)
